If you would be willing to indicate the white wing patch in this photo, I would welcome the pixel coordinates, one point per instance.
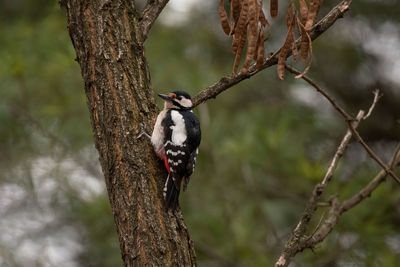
(178, 130)
(170, 152)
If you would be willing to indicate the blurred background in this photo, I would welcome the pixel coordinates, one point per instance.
(265, 144)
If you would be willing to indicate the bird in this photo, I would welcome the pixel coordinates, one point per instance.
(176, 139)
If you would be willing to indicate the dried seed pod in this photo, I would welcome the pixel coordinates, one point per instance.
(252, 35)
(262, 19)
(239, 51)
(274, 8)
(235, 9)
(260, 49)
(264, 22)
(294, 49)
(312, 14)
(223, 17)
(285, 49)
(303, 11)
(242, 22)
(309, 48)
(240, 34)
(304, 45)
(257, 20)
(235, 43)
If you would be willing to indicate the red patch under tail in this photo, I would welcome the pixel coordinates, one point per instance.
(166, 163)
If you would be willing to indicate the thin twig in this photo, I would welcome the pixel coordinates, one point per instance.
(318, 225)
(321, 91)
(395, 159)
(341, 149)
(376, 98)
(373, 155)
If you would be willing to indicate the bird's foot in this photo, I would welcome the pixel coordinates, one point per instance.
(143, 132)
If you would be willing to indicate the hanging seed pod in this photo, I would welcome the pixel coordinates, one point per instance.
(274, 8)
(286, 47)
(240, 34)
(239, 51)
(303, 11)
(252, 35)
(223, 17)
(312, 14)
(309, 49)
(260, 49)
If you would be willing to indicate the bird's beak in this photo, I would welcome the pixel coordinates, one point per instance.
(165, 97)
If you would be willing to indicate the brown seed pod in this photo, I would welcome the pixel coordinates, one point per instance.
(235, 43)
(235, 9)
(223, 17)
(274, 8)
(264, 22)
(257, 21)
(260, 49)
(239, 51)
(304, 45)
(252, 35)
(303, 11)
(312, 14)
(285, 48)
(243, 18)
(240, 34)
(294, 49)
(309, 42)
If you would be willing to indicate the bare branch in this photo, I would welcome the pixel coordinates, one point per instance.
(341, 149)
(297, 241)
(294, 244)
(373, 155)
(337, 209)
(150, 14)
(228, 81)
(349, 121)
(396, 158)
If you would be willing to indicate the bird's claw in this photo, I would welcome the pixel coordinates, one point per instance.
(143, 132)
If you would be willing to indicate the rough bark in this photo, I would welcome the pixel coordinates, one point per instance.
(108, 40)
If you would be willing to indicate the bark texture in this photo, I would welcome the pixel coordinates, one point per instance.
(108, 40)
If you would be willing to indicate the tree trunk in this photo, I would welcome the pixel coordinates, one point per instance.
(108, 41)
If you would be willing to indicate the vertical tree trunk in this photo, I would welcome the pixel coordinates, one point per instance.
(109, 47)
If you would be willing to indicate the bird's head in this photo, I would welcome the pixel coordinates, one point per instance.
(177, 100)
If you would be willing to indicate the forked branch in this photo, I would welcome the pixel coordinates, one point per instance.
(349, 119)
(149, 15)
(338, 209)
(298, 240)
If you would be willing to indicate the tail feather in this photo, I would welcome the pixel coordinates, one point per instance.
(171, 194)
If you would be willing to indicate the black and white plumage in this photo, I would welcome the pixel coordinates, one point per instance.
(176, 138)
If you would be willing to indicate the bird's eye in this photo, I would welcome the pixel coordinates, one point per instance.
(179, 98)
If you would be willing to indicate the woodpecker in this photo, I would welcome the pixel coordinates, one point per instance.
(176, 139)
